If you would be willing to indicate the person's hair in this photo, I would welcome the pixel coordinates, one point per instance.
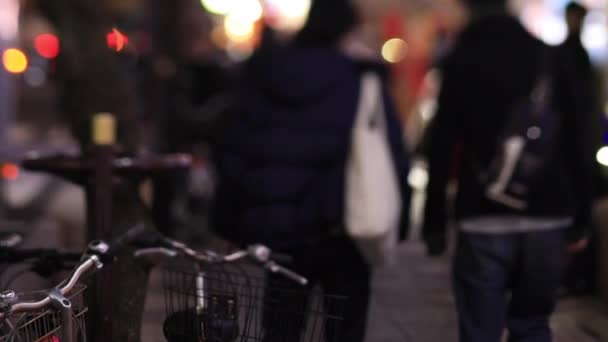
(328, 22)
(576, 8)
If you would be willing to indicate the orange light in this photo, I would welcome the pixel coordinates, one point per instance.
(116, 40)
(14, 61)
(47, 45)
(10, 171)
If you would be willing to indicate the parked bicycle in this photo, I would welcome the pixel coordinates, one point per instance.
(222, 298)
(209, 297)
(57, 315)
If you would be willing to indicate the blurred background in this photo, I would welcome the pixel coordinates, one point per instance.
(167, 69)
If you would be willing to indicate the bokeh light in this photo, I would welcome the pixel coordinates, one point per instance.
(47, 45)
(418, 176)
(288, 15)
(394, 50)
(10, 171)
(220, 7)
(602, 156)
(116, 40)
(35, 76)
(14, 61)
(238, 30)
(246, 10)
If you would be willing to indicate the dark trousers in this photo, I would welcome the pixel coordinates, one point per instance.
(299, 314)
(510, 281)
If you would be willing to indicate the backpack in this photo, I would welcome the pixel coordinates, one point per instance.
(525, 147)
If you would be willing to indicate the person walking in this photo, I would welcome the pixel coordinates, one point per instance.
(580, 273)
(572, 48)
(282, 164)
(522, 198)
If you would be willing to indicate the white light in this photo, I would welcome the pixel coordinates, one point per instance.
(553, 30)
(238, 30)
(288, 15)
(428, 108)
(595, 37)
(418, 177)
(220, 7)
(247, 10)
(602, 156)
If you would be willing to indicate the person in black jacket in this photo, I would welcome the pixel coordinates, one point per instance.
(573, 45)
(507, 266)
(282, 164)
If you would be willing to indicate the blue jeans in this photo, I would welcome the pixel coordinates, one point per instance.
(508, 280)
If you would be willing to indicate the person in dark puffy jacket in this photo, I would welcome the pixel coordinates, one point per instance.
(282, 164)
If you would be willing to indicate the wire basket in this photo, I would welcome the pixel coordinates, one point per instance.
(44, 326)
(239, 303)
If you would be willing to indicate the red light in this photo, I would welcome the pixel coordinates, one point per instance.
(116, 40)
(10, 171)
(47, 45)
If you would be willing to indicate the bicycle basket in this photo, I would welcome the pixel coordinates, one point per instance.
(46, 325)
(239, 303)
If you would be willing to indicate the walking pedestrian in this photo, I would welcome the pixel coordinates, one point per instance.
(524, 180)
(282, 164)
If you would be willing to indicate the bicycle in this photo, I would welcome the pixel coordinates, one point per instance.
(216, 298)
(57, 315)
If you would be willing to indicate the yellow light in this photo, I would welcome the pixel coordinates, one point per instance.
(602, 156)
(249, 10)
(394, 50)
(14, 61)
(238, 30)
(220, 7)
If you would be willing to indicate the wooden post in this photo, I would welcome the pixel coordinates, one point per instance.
(99, 190)
(115, 302)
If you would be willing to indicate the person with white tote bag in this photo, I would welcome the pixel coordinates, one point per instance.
(300, 172)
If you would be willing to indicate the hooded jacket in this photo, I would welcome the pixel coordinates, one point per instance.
(282, 164)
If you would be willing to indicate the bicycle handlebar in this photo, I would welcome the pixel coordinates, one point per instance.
(94, 258)
(89, 262)
(258, 253)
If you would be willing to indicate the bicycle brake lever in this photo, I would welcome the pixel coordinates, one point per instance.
(276, 268)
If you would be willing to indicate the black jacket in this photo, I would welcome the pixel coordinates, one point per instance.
(494, 64)
(282, 164)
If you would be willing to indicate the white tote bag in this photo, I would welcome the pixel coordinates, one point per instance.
(373, 200)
